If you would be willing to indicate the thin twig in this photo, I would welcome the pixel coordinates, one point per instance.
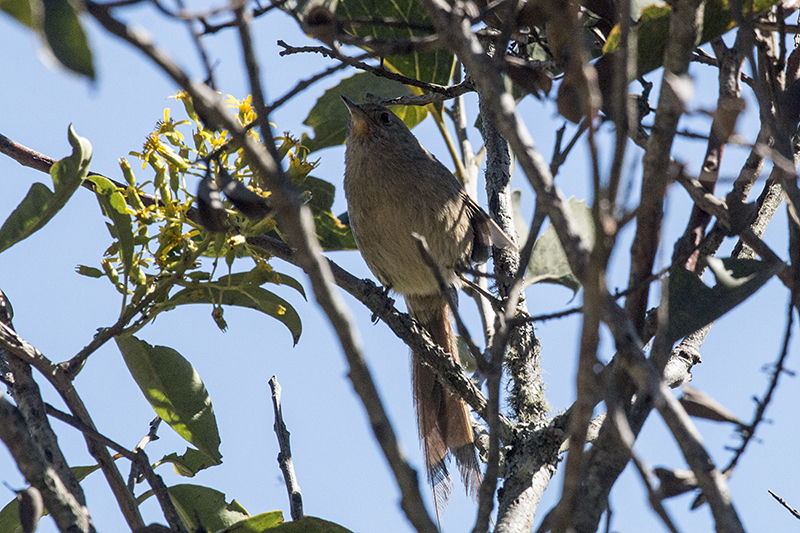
(445, 290)
(72, 366)
(285, 454)
(152, 435)
(83, 428)
(198, 43)
(258, 11)
(303, 85)
(711, 481)
(457, 90)
(700, 56)
(749, 431)
(162, 493)
(792, 510)
(559, 155)
(449, 91)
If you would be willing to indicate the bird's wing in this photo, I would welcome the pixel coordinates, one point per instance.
(487, 232)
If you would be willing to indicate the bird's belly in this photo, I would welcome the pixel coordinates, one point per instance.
(393, 256)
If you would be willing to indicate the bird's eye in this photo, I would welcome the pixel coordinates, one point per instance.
(386, 118)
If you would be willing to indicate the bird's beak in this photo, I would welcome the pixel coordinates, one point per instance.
(359, 123)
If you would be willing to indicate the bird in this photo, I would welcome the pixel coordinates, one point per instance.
(395, 190)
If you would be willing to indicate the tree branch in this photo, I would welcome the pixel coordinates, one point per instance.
(63, 385)
(285, 454)
(29, 402)
(68, 514)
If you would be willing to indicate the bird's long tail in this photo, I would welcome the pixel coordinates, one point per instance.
(442, 416)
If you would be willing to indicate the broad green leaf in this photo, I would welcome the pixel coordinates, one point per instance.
(207, 506)
(549, 263)
(9, 518)
(260, 276)
(66, 37)
(331, 232)
(244, 295)
(174, 389)
(310, 524)
(22, 10)
(190, 463)
(322, 193)
(432, 67)
(41, 204)
(329, 116)
(257, 523)
(112, 201)
(202, 506)
(653, 30)
(693, 304)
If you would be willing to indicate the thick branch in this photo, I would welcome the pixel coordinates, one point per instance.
(29, 401)
(684, 32)
(63, 384)
(68, 514)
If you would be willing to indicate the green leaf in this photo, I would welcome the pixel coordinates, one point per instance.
(260, 276)
(9, 518)
(202, 508)
(331, 232)
(66, 37)
(653, 29)
(431, 67)
(693, 304)
(41, 204)
(310, 524)
(175, 391)
(257, 523)
(243, 295)
(82, 471)
(24, 11)
(112, 201)
(329, 116)
(549, 263)
(190, 463)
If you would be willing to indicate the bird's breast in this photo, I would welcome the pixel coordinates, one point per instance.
(387, 206)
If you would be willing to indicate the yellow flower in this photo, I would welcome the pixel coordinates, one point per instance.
(245, 107)
(166, 127)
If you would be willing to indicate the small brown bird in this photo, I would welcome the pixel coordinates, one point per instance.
(395, 188)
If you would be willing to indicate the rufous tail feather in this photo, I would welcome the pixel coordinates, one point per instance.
(443, 418)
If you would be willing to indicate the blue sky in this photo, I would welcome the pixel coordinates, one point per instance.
(343, 476)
